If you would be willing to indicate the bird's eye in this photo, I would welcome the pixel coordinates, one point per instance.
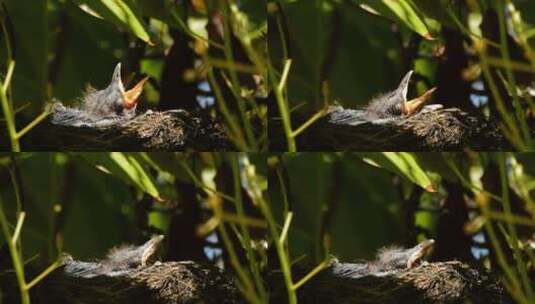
(396, 109)
(118, 109)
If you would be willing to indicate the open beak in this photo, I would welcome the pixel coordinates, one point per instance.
(403, 86)
(413, 106)
(130, 97)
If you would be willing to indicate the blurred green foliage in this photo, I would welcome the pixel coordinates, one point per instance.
(59, 47)
(319, 204)
(351, 204)
(364, 210)
(86, 203)
(347, 52)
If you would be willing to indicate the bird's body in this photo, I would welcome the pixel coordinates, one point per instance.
(100, 108)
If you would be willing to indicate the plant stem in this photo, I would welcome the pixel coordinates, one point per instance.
(15, 257)
(283, 256)
(504, 49)
(242, 274)
(512, 229)
(43, 274)
(311, 274)
(235, 83)
(284, 111)
(8, 113)
(32, 124)
(247, 241)
(234, 129)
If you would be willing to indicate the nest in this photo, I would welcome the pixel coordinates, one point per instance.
(161, 283)
(151, 131)
(432, 129)
(441, 282)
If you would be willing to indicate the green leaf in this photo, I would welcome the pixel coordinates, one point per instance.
(136, 172)
(118, 12)
(127, 167)
(400, 11)
(255, 17)
(122, 11)
(402, 163)
(435, 10)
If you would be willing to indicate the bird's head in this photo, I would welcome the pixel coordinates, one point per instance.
(409, 107)
(395, 103)
(126, 99)
(114, 99)
(150, 250)
(399, 258)
(419, 252)
(127, 257)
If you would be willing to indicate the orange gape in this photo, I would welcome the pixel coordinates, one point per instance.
(131, 96)
(413, 106)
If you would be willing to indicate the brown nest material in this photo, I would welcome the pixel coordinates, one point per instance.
(441, 282)
(432, 129)
(161, 283)
(151, 131)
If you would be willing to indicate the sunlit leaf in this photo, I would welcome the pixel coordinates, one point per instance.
(402, 163)
(126, 167)
(119, 12)
(252, 17)
(400, 10)
(126, 15)
(435, 10)
(136, 172)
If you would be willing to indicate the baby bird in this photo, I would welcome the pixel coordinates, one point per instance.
(100, 108)
(388, 259)
(391, 258)
(119, 260)
(395, 104)
(128, 257)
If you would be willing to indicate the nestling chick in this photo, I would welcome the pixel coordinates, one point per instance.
(395, 103)
(391, 258)
(127, 257)
(100, 108)
(119, 261)
(388, 259)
